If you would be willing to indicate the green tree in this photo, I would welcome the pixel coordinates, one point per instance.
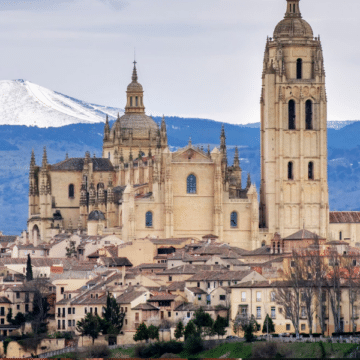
(153, 332)
(268, 326)
(71, 250)
(9, 316)
(219, 326)
(203, 320)
(113, 319)
(20, 320)
(89, 326)
(190, 330)
(249, 326)
(141, 333)
(179, 331)
(29, 273)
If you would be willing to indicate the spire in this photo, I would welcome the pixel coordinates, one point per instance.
(190, 143)
(44, 159)
(66, 156)
(32, 161)
(106, 128)
(236, 158)
(248, 183)
(208, 150)
(223, 140)
(134, 77)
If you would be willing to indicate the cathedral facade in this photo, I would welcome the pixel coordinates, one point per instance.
(140, 188)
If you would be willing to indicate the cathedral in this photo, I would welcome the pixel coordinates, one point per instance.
(139, 188)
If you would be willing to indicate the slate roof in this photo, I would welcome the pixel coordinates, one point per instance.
(116, 261)
(77, 164)
(178, 241)
(303, 235)
(339, 217)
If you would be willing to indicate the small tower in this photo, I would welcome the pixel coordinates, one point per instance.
(224, 154)
(135, 94)
(163, 133)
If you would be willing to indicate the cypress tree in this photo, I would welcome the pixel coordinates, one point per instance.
(29, 274)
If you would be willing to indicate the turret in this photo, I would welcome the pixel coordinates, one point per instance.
(135, 94)
(163, 133)
(106, 129)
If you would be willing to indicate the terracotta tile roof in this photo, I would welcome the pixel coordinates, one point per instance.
(338, 217)
(196, 290)
(145, 306)
(193, 307)
(169, 241)
(128, 297)
(162, 297)
(223, 275)
(303, 234)
(210, 236)
(151, 266)
(7, 238)
(256, 284)
(190, 269)
(176, 285)
(337, 242)
(264, 250)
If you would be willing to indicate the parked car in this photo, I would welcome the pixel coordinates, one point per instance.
(232, 337)
(284, 334)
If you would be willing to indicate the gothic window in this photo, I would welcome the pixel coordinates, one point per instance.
(311, 171)
(309, 115)
(291, 115)
(130, 100)
(149, 219)
(191, 184)
(234, 219)
(299, 68)
(290, 171)
(71, 191)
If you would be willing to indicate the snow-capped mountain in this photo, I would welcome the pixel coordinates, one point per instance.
(25, 103)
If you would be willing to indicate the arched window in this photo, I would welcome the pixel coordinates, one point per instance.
(234, 219)
(149, 219)
(263, 244)
(311, 170)
(309, 115)
(290, 171)
(299, 68)
(136, 101)
(71, 191)
(291, 115)
(130, 100)
(340, 235)
(191, 184)
(278, 246)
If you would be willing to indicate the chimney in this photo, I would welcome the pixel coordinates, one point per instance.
(123, 274)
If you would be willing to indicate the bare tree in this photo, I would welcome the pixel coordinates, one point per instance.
(288, 292)
(334, 286)
(318, 268)
(351, 274)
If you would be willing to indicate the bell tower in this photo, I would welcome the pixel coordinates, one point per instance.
(294, 189)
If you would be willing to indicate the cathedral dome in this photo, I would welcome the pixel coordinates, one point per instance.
(293, 25)
(137, 121)
(96, 215)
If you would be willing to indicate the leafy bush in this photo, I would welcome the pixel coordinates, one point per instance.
(97, 351)
(158, 349)
(194, 344)
(265, 350)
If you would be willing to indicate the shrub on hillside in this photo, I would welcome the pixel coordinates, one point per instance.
(194, 344)
(158, 349)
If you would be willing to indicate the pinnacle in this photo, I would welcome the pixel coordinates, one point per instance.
(44, 159)
(134, 77)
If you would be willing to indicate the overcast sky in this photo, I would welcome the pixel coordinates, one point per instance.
(196, 58)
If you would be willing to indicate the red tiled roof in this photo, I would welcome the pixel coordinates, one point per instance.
(338, 217)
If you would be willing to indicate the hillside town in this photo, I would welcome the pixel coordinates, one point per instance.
(147, 243)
